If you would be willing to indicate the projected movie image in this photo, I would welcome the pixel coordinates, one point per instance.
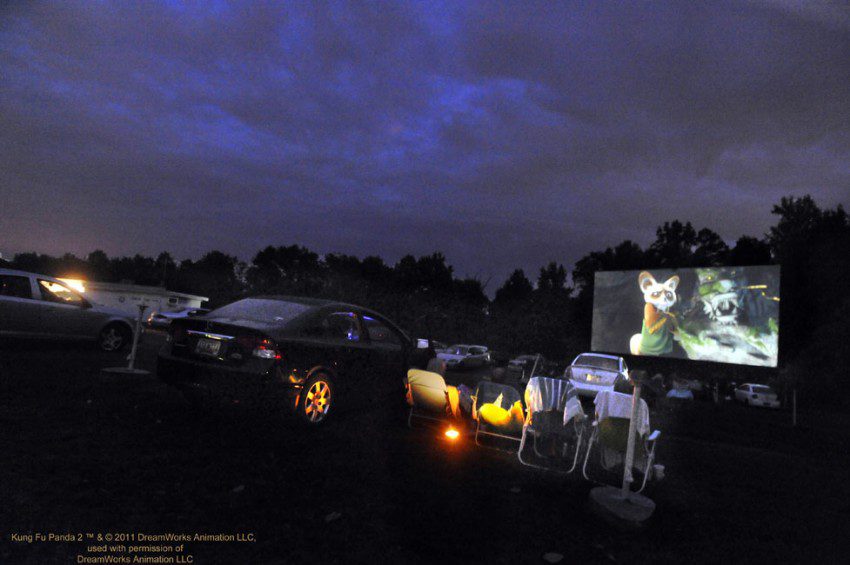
(723, 314)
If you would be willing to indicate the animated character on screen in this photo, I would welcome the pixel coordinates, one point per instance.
(659, 324)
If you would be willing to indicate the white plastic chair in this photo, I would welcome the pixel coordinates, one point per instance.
(610, 435)
(555, 413)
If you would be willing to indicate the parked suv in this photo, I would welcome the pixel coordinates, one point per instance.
(302, 354)
(38, 306)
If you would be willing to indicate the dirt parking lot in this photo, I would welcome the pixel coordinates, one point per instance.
(84, 452)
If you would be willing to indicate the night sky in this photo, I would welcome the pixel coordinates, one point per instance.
(503, 134)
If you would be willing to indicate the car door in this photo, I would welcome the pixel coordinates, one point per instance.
(19, 309)
(389, 353)
(348, 351)
(64, 313)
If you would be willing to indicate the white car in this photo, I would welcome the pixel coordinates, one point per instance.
(42, 307)
(590, 373)
(462, 356)
(163, 319)
(757, 395)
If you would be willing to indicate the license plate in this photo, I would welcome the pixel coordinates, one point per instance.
(208, 346)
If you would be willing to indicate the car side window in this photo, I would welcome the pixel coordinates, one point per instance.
(341, 325)
(379, 332)
(15, 286)
(55, 292)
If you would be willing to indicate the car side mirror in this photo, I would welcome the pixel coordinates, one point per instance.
(422, 343)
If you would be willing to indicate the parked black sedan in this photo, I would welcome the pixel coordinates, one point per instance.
(304, 354)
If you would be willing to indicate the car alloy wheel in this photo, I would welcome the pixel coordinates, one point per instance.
(112, 338)
(317, 400)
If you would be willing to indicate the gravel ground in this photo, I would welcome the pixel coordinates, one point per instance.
(82, 452)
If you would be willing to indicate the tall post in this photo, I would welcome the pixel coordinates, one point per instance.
(136, 335)
(534, 367)
(630, 446)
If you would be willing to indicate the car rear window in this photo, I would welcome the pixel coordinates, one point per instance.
(261, 310)
(762, 389)
(604, 363)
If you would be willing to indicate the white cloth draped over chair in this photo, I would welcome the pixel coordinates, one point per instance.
(611, 430)
(610, 404)
(544, 394)
(554, 419)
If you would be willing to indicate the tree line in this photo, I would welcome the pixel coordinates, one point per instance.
(548, 313)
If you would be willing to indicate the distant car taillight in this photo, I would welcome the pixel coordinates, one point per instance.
(261, 347)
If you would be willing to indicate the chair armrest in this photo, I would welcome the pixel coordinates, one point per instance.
(653, 436)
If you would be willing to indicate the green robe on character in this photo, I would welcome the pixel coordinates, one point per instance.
(658, 343)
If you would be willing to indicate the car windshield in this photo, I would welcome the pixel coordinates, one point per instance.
(261, 310)
(604, 363)
(762, 389)
(458, 350)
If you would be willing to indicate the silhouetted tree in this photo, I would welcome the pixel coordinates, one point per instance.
(674, 245)
(710, 250)
(749, 251)
(516, 290)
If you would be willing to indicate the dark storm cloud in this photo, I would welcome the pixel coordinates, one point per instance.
(505, 134)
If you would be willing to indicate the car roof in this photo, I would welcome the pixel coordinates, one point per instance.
(605, 355)
(325, 303)
(314, 302)
(27, 274)
(16, 272)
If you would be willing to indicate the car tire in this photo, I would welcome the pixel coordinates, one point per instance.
(318, 400)
(114, 337)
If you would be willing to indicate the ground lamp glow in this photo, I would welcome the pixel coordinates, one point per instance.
(452, 434)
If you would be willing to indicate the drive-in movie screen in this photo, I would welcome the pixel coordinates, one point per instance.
(723, 314)
(424, 282)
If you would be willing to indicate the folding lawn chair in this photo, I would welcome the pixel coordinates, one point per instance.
(497, 411)
(430, 398)
(554, 413)
(610, 432)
